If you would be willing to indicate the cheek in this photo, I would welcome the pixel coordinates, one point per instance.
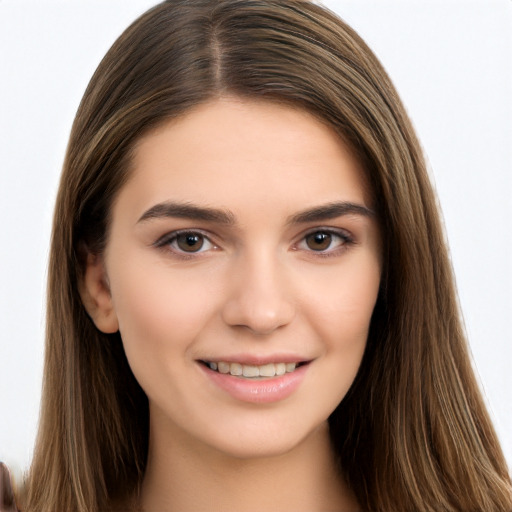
(344, 311)
(342, 319)
(160, 312)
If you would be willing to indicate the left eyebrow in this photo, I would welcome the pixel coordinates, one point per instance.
(330, 211)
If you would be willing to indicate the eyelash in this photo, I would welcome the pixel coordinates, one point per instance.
(166, 241)
(346, 240)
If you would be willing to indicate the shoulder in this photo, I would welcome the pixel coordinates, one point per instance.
(7, 501)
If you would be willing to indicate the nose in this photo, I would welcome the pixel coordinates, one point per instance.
(259, 297)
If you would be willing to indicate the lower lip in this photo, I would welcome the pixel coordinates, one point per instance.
(272, 389)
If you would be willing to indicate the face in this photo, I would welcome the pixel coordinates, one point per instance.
(243, 266)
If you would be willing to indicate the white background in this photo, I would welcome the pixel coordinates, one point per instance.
(452, 64)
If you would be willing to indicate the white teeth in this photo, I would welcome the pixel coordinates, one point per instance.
(268, 370)
(290, 367)
(253, 371)
(223, 367)
(236, 369)
(280, 369)
(250, 371)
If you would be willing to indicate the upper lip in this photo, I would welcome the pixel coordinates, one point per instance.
(257, 360)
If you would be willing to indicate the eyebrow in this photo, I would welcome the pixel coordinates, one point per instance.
(331, 211)
(188, 211)
(328, 211)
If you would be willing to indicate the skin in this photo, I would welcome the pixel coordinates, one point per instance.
(258, 287)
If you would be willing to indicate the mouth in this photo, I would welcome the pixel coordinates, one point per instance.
(249, 371)
(246, 381)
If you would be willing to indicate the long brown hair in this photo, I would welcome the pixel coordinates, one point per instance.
(412, 434)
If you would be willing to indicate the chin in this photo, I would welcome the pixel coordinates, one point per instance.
(264, 441)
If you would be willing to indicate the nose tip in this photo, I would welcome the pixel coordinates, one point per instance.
(259, 318)
(259, 303)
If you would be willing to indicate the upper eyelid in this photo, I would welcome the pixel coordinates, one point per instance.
(346, 236)
(171, 235)
(344, 233)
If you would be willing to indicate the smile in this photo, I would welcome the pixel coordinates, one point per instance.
(252, 371)
(264, 383)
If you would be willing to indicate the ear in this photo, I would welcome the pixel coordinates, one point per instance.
(95, 294)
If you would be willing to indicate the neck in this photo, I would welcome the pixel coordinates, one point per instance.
(304, 479)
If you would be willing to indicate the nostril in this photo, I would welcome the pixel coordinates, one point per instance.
(260, 318)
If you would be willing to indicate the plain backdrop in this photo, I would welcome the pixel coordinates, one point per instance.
(452, 64)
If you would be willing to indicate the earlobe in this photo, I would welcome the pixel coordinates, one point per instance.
(95, 295)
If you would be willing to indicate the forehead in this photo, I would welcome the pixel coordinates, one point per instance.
(234, 152)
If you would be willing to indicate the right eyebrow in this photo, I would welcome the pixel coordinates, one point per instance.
(169, 209)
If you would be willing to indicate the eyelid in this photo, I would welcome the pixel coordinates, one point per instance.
(347, 238)
(165, 241)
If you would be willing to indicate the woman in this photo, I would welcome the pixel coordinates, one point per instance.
(243, 192)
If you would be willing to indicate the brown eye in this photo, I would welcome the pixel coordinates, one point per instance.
(190, 242)
(319, 241)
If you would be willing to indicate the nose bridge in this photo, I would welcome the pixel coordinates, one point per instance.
(260, 296)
